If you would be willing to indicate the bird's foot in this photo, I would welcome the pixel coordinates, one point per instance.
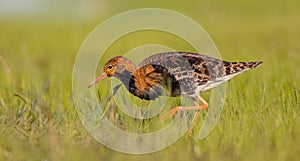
(172, 113)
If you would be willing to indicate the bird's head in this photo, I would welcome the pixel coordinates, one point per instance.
(114, 68)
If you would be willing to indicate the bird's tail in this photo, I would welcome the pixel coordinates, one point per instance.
(253, 64)
(237, 67)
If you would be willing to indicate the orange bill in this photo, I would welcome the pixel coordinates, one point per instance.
(102, 76)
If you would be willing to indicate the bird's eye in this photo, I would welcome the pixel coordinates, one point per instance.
(110, 67)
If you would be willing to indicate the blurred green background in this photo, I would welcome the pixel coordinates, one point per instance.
(39, 41)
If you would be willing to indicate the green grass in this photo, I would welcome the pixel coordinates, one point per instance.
(261, 115)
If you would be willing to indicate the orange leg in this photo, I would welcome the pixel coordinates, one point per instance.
(197, 107)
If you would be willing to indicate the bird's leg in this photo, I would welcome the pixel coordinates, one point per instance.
(197, 107)
(177, 109)
(193, 122)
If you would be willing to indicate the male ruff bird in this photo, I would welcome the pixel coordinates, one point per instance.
(179, 73)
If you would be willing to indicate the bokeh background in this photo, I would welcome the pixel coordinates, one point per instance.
(39, 41)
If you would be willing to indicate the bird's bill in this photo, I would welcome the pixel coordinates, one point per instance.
(100, 77)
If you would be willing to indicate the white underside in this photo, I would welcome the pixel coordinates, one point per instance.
(211, 84)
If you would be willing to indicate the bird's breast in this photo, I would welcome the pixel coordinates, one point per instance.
(152, 81)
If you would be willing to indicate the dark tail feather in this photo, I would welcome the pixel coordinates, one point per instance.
(235, 67)
(253, 64)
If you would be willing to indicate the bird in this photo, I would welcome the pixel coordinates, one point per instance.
(174, 74)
